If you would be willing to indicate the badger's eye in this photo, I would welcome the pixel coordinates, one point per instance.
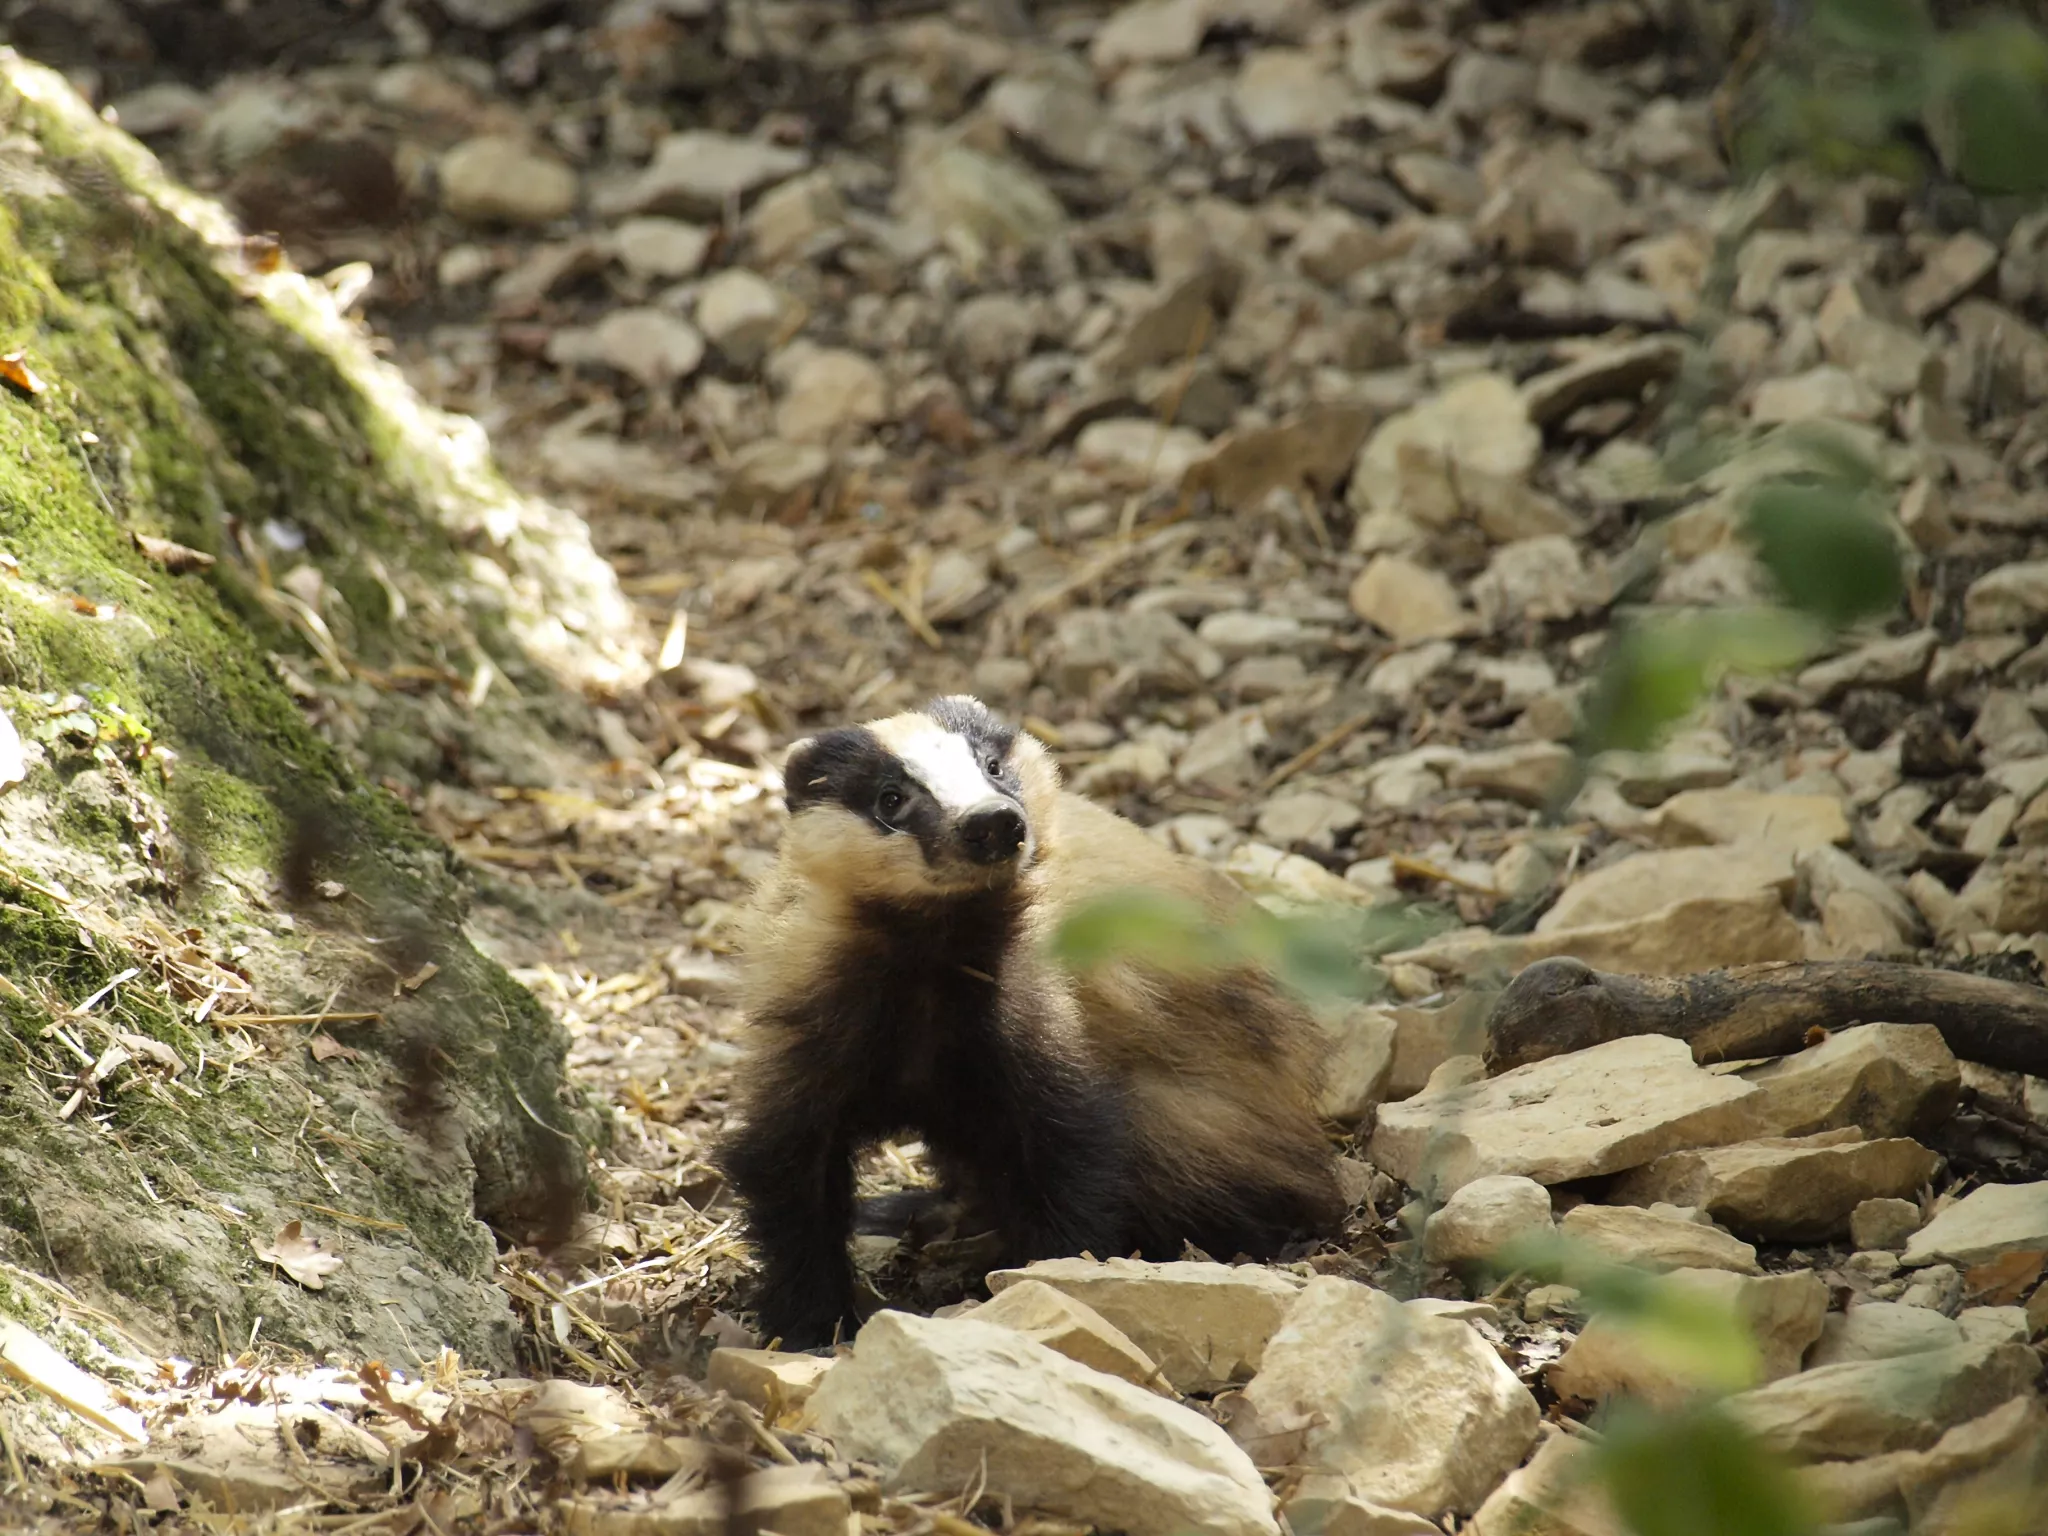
(889, 802)
(994, 766)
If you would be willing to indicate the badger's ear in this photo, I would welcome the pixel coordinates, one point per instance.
(819, 768)
(799, 766)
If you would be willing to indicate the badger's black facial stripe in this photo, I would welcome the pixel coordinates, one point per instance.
(850, 767)
(989, 736)
(845, 766)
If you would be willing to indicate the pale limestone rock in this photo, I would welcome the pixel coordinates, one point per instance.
(1883, 1224)
(1994, 1325)
(1789, 1188)
(1290, 93)
(1938, 1287)
(1792, 822)
(828, 390)
(1886, 1079)
(1557, 1494)
(1994, 1219)
(665, 248)
(1783, 1314)
(1070, 1328)
(1895, 662)
(1535, 580)
(1882, 1330)
(1223, 755)
(699, 172)
(1657, 1241)
(1306, 816)
(2007, 597)
(742, 314)
(1868, 1407)
(1824, 391)
(1206, 1325)
(1835, 882)
(1416, 1412)
(1997, 1462)
(1138, 446)
(1323, 1505)
(1952, 271)
(1688, 935)
(1483, 1216)
(1644, 882)
(790, 1501)
(1614, 1106)
(1478, 424)
(1409, 602)
(499, 179)
(1527, 773)
(766, 1379)
(940, 1404)
(1425, 1038)
(1363, 1041)
(786, 219)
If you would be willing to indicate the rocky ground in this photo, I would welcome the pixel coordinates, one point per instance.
(1268, 401)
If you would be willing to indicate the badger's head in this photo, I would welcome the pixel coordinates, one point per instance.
(947, 800)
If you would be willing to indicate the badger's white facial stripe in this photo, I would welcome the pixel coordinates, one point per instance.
(942, 761)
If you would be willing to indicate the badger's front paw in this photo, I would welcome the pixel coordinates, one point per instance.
(799, 1317)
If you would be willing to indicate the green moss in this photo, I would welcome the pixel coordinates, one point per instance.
(223, 819)
(176, 407)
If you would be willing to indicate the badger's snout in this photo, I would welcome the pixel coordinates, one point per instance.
(992, 834)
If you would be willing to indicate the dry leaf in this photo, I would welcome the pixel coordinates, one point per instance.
(176, 558)
(154, 1050)
(2002, 1281)
(420, 977)
(326, 1048)
(299, 1256)
(19, 376)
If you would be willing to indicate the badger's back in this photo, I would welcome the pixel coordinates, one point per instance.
(1223, 1065)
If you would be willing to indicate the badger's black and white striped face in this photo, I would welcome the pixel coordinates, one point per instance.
(933, 802)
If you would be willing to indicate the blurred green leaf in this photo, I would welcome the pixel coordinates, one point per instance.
(1685, 1331)
(1991, 105)
(1696, 1472)
(1830, 555)
(1150, 925)
(1886, 29)
(1657, 671)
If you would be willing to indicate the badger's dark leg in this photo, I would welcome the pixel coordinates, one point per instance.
(1042, 1152)
(793, 1176)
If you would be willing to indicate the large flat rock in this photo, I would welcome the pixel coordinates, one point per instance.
(1656, 1240)
(944, 1404)
(1783, 1314)
(1206, 1325)
(1612, 1107)
(1783, 1188)
(1998, 1218)
(1885, 1079)
(1868, 1407)
(1414, 1412)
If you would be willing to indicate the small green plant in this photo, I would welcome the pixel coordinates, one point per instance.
(1321, 951)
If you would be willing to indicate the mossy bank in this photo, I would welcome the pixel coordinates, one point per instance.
(246, 577)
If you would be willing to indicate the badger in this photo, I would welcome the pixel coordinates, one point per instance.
(896, 979)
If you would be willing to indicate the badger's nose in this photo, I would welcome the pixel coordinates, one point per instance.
(992, 834)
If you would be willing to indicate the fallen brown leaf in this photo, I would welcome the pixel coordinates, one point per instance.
(178, 559)
(300, 1256)
(420, 977)
(19, 376)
